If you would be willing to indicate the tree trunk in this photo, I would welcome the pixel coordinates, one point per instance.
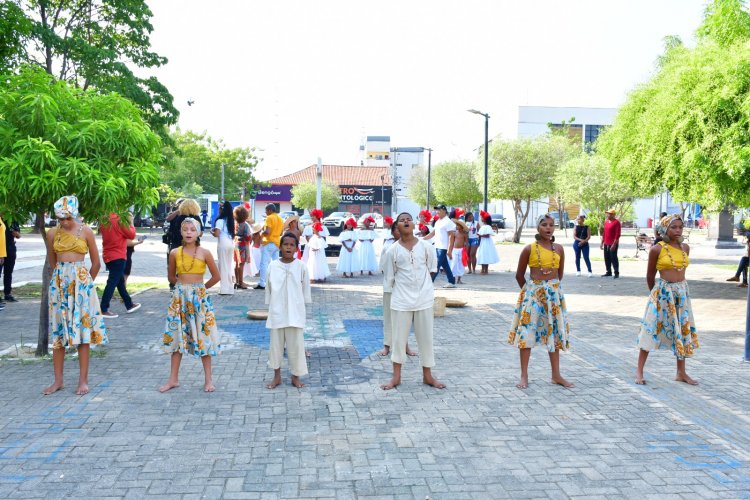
(42, 342)
(519, 220)
(39, 223)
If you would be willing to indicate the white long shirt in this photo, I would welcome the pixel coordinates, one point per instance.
(287, 292)
(407, 274)
(386, 245)
(443, 228)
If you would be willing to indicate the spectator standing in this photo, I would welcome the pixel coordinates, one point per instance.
(11, 232)
(224, 231)
(271, 241)
(741, 268)
(444, 234)
(582, 236)
(243, 240)
(610, 243)
(115, 236)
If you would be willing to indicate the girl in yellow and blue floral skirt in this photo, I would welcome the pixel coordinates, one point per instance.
(74, 314)
(191, 322)
(540, 315)
(668, 320)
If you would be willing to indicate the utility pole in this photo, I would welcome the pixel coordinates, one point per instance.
(222, 181)
(319, 184)
(429, 175)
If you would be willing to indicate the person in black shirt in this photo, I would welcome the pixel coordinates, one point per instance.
(12, 232)
(581, 244)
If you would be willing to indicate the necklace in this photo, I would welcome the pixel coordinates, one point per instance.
(192, 263)
(539, 258)
(671, 259)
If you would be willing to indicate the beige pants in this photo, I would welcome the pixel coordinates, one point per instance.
(401, 323)
(387, 328)
(295, 349)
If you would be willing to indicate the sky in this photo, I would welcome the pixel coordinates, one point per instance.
(300, 79)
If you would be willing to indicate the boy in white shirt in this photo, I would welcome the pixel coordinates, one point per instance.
(408, 268)
(287, 292)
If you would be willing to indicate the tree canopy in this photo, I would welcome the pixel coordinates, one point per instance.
(523, 170)
(417, 187)
(304, 196)
(193, 166)
(94, 43)
(455, 184)
(688, 128)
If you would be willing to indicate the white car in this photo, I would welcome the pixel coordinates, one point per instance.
(336, 220)
(378, 219)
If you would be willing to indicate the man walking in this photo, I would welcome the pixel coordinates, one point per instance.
(12, 232)
(115, 237)
(270, 243)
(610, 242)
(444, 232)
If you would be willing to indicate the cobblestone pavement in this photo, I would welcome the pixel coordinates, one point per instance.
(343, 437)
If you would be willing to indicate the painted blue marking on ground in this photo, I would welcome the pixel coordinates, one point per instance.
(5, 478)
(366, 335)
(252, 333)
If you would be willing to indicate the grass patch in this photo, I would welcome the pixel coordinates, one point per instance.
(34, 290)
(729, 267)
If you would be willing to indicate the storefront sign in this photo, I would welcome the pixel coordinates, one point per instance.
(274, 193)
(365, 195)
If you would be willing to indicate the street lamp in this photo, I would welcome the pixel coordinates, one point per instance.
(486, 152)
(429, 173)
(382, 195)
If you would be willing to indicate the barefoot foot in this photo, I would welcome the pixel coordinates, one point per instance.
(308, 354)
(82, 389)
(385, 351)
(168, 386)
(409, 352)
(561, 381)
(53, 388)
(639, 380)
(523, 383)
(209, 387)
(296, 382)
(684, 378)
(433, 382)
(274, 383)
(391, 385)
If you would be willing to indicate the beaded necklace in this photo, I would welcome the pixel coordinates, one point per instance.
(182, 258)
(539, 259)
(671, 259)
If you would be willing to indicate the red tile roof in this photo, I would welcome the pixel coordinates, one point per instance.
(340, 175)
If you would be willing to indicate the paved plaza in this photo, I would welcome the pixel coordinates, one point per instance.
(344, 437)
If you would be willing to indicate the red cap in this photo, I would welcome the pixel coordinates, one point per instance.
(388, 220)
(351, 222)
(317, 213)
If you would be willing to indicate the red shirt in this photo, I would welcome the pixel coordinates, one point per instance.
(115, 239)
(611, 231)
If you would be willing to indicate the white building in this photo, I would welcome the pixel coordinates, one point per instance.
(403, 163)
(376, 151)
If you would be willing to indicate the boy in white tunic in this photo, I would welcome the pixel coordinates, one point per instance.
(408, 269)
(287, 292)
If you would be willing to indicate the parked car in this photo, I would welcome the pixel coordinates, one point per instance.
(286, 214)
(498, 221)
(144, 221)
(336, 220)
(378, 219)
(566, 220)
(304, 220)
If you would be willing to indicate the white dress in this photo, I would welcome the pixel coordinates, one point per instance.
(317, 266)
(487, 253)
(367, 260)
(225, 254)
(308, 233)
(348, 261)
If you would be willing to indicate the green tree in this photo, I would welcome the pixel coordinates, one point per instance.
(687, 130)
(304, 195)
(15, 28)
(417, 187)
(194, 163)
(523, 170)
(99, 43)
(455, 184)
(588, 179)
(57, 140)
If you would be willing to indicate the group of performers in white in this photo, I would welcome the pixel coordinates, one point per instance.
(408, 265)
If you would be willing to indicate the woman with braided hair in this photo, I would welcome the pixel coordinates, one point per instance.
(668, 320)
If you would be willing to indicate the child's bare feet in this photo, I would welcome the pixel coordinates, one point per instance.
(53, 388)
(395, 382)
(683, 377)
(385, 351)
(409, 352)
(432, 381)
(296, 382)
(523, 383)
(273, 384)
(83, 388)
(169, 385)
(561, 381)
(209, 387)
(308, 354)
(639, 380)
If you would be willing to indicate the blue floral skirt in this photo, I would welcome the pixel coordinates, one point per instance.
(668, 320)
(74, 313)
(191, 322)
(540, 317)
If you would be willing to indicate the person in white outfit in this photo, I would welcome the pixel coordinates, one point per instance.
(316, 215)
(366, 237)
(349, 254)
(287, 292)
(223, 230)
(408, 268)
(317, 265)
(444, 232)
(487, 253)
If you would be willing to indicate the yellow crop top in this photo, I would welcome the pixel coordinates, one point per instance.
(549, 258)
(187, 264)
(66, 242)
(680, 258)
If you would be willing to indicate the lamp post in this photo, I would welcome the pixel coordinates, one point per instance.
(429, 173)
(382, 195)
(486, 151)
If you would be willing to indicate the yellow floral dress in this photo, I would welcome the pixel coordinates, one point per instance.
(74, 313)
(541, 317)
(191, 322)
(668, 320)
